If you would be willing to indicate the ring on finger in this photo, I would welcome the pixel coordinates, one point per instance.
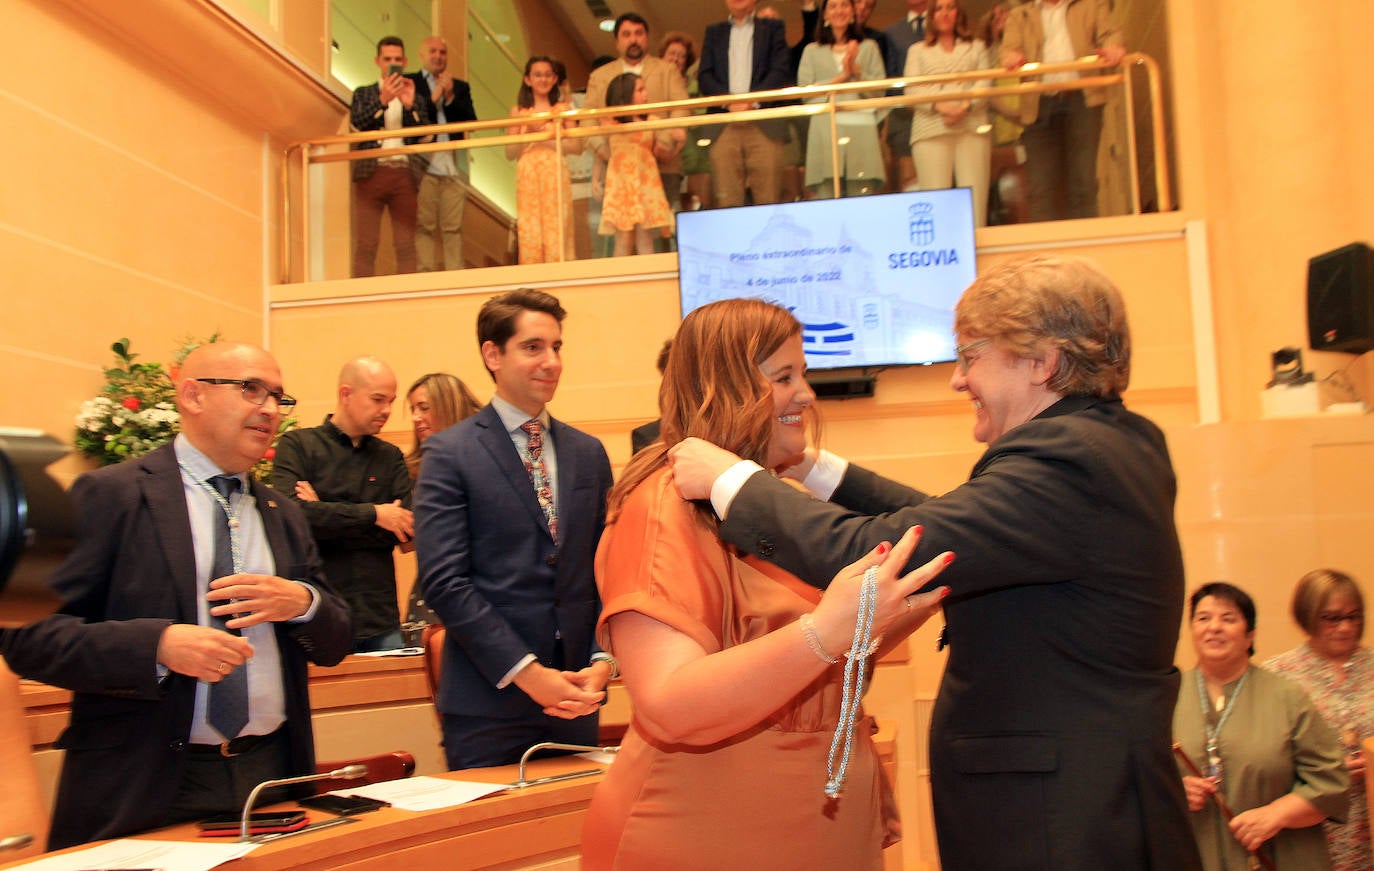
(908, 602)
(222, 668)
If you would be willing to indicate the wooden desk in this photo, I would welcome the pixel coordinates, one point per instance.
(536, 827)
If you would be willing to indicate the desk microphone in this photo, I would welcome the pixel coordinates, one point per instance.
(15, 842)
(554, 745)
(348, 772)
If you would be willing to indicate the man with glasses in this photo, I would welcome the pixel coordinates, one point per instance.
(193, 600)
(355, 490)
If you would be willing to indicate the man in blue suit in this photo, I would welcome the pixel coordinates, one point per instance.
(741, 54)
(508, 512)
(900, 38)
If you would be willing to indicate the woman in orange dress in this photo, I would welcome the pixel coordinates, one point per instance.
(733, 665)
(634, 202)
(543, 186)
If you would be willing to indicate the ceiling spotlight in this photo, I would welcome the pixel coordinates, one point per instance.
(607, 25)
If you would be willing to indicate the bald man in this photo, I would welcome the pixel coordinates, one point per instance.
(355, 490)
(182, 584)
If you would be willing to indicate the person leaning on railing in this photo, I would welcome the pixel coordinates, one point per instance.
(949, 139)
(841, 54)
(1063, 128)
(543, 184)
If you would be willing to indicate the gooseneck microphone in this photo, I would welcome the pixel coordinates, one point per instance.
(15, 842)
(555, 745)
(348, 772)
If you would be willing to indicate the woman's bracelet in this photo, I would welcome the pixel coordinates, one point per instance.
(813, 641)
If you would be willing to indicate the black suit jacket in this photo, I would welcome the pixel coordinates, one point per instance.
(457, 109)
(1052, 728)
(492, 572)
(366, 113)
(771, 69)
(131, 574)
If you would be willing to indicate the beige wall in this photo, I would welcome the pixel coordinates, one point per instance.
(136, 197)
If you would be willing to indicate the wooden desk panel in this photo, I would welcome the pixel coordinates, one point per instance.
(538, 827)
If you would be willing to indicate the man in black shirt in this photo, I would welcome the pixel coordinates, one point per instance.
(355, 491)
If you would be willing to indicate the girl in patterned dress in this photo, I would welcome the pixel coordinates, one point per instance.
(543, 186)
(634, 202)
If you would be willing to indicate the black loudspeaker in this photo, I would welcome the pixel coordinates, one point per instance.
(1340, 300)
(842, 384)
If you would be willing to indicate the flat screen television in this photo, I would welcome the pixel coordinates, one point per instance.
(872, 279)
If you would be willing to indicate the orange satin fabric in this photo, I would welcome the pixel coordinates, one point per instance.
(756, 800)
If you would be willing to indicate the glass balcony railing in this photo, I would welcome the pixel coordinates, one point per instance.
(540, 196)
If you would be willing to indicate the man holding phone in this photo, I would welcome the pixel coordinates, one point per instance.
(387, 183)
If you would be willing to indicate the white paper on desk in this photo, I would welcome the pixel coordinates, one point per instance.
(396, 651)
(601, 757)
(425, 793)
(132, 853)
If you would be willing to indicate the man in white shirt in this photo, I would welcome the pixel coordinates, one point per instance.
(1062, 129)
(188, 579)
(443, 187)
(509, 508)
(901, 36)
(745, 53)
(386, 183)
(662, 82)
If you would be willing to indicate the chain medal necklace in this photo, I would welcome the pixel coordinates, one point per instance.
(1214, 767)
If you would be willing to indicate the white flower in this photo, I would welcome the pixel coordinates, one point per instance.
(94, 413)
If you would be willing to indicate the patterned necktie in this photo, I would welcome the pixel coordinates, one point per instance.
(539, 476)
(918, 26)
(227, 706)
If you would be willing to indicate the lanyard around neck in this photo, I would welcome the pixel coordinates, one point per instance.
(1214, 731)
(231, 515)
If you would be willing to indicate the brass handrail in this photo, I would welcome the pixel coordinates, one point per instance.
(788, 96)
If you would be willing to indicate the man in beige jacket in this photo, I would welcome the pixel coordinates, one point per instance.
(662, 82)
(1062, 128)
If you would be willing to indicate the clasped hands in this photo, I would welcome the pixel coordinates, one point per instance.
(207, 653)
(566, 695)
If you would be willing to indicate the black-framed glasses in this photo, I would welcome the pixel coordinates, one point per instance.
(255, 392)
(961, 353)
(1331, 618)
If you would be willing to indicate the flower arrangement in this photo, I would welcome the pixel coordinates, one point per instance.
(135, 411)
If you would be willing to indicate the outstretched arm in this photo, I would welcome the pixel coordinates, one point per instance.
(685, 694)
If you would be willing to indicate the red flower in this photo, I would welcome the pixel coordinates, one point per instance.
(270, 454)
(132, 403)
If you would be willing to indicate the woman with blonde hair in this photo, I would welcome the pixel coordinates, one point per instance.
(1337, 671)
(949, 138)
(437, 401)
(732, 664)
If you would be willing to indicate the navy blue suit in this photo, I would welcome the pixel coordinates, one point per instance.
(502, 587)
(772, 68)
(131, 574)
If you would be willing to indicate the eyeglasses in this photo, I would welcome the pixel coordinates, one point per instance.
(1333, 619)
(961, 353)
(255, 392)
